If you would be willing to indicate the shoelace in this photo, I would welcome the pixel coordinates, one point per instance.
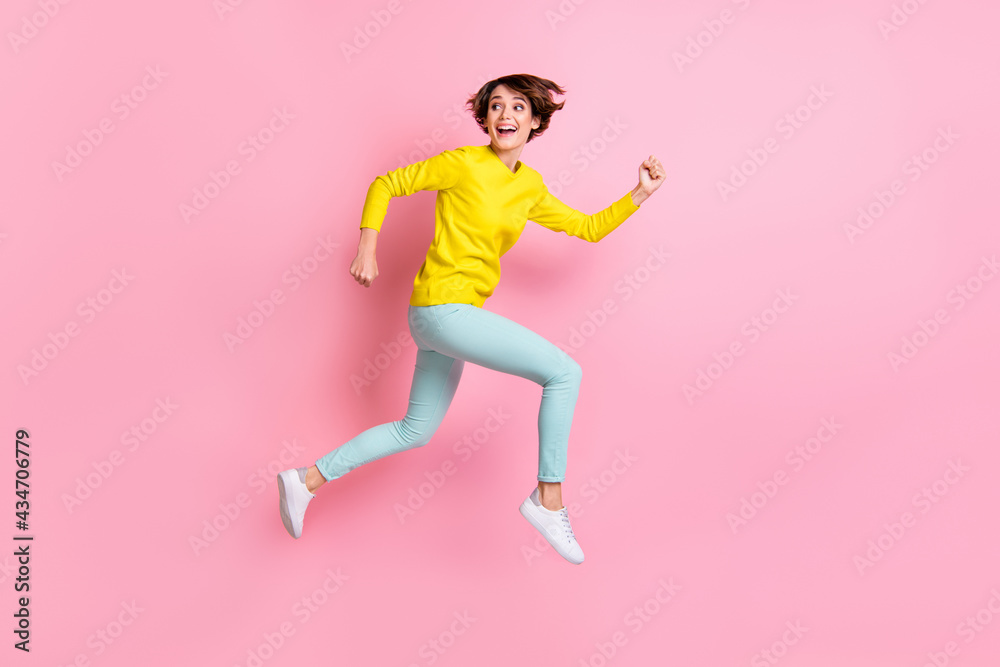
(567, 528)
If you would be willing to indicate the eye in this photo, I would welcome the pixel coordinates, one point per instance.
(496, 104)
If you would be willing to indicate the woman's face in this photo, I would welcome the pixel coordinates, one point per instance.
(509, 109)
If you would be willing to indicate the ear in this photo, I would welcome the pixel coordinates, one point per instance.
(535, 122)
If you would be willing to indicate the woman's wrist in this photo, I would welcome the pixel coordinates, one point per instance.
(369, 238)
(638, 195)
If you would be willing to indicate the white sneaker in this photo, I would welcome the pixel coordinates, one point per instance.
(554, 525)
(293, 497)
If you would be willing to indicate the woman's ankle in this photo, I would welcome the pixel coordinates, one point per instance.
(314, 479)
(550, 495)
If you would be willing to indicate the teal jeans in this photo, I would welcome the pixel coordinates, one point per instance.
(446, 336)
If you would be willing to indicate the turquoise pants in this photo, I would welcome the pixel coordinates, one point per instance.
(448, 335)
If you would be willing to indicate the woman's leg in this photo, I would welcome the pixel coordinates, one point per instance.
(473, 334)
(435, 379)
(469, 333)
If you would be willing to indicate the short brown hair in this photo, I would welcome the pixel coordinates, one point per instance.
(532, 88)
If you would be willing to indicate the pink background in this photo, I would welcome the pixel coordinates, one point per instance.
(284, 396)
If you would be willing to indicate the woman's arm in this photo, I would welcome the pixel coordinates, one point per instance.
(439, 172)
(549, 212)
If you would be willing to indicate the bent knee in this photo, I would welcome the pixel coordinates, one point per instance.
(415, 434)
(570, 371)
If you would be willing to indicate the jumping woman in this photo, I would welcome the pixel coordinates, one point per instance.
(485, 197)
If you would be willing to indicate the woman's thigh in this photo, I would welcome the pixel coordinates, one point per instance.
(435, 379)
(469, 333)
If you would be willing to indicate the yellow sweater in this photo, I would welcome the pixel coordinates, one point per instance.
(481, 209)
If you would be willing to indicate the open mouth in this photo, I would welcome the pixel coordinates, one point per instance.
(506, 130)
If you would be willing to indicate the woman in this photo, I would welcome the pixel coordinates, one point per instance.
(485, 196)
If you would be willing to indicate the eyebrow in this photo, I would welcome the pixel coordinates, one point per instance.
(516, 97)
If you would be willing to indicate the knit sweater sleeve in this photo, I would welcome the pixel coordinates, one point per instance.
(557, 216)
(440, 172)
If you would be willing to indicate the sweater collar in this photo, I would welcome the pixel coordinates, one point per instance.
(519, 167)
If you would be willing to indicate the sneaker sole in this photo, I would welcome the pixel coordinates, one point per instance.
(286, 519)
(527, 511)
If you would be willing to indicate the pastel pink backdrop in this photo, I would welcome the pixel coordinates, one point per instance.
(464, 572)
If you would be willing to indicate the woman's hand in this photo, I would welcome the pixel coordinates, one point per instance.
(651, 176)
(364, 268)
